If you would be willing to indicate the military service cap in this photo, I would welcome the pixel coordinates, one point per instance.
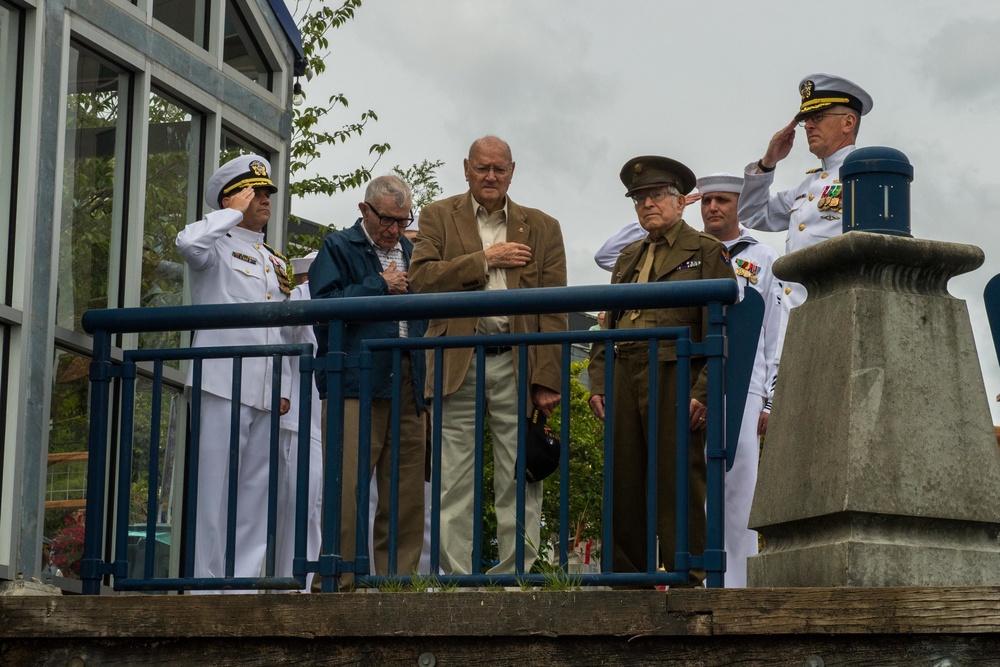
(241, 172)
(721, 182)
(647, 171)
(819, 91)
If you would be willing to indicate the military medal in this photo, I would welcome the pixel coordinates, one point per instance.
(279, 270)
(747, 269)
(835, 198)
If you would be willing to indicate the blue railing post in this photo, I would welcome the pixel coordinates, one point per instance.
(333, 478)
(91, 566)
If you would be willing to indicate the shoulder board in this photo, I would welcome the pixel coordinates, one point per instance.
(813, 171)
(276, 253)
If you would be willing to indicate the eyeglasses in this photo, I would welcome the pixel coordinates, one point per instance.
(483, 170)
(386, 221)
(656, 194)
(817, 118)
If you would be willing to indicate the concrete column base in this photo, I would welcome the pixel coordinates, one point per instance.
(880, 466)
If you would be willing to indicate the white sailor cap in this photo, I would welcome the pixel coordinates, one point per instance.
(819, 91)
(244, 171)
(300, 265)
(721, 182)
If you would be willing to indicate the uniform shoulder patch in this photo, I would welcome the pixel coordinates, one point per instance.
(276, 253)
(725, 255)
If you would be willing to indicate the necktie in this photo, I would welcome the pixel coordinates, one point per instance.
(647, 268)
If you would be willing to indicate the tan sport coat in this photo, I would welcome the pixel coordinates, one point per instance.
(449, 257)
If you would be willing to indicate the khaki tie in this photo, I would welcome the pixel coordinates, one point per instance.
(647, 268)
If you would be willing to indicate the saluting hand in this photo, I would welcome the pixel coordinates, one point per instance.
(507, 255)
(241, 200)
(395, 281)
(780, 146)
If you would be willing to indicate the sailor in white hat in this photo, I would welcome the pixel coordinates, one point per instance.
(229, 262)
(752, 263)
(288, 453)
(830, 111)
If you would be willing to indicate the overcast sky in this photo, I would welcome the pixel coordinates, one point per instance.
(577, 88)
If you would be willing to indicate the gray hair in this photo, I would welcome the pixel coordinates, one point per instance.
(392, 186)
(857, 116)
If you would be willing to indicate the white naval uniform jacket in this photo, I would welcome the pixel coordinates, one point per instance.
(302, 333)
(756, 259)
(230, 264)
(796, 211)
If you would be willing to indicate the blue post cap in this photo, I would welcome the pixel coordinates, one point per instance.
(876, 182)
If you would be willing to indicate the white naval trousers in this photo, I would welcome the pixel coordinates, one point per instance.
(284, 550)
(741, 542)
(213, 486)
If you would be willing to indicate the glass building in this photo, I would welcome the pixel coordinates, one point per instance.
(113, 114)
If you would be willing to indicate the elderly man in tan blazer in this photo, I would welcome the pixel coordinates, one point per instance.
(481, 240)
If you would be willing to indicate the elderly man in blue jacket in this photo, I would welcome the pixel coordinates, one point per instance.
(371, 259)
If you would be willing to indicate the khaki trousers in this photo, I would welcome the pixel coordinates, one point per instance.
(458, 449)
(412, 445)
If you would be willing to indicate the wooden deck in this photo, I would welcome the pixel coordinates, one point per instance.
(812, 627)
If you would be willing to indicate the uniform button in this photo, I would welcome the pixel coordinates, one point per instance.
(267, 269)
(802, 226)
(269, 297)
(824, 175)
(811, 197)
(247, 271)
(257, 245)
(788, 290)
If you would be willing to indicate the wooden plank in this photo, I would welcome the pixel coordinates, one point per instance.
(483, 614)
(71, 504)
(66, 457)
(783, 651)
(845, 610)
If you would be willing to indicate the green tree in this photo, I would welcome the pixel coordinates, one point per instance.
(586, 477)
(423, 181)
(309, 137)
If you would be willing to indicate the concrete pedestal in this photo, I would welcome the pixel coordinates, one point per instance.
(880, 466)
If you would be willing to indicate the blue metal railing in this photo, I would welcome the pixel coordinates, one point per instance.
(743, 323)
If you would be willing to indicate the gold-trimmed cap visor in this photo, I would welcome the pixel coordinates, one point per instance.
(819, 91)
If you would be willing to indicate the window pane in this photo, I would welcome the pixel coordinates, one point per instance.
(93, 135)
(241, 50)
(66, 482)
(188, 17)
(172, 167)
(168, 432)
(233, 146)
(10, 22)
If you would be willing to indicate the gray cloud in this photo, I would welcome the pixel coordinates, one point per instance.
(962, 61)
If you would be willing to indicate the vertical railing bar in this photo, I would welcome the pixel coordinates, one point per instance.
(397, 389)
(234, 468)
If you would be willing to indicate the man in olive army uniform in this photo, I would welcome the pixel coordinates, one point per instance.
(672, 251)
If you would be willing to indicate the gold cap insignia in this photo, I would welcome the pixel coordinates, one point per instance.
(806, 89)
(638, 168)
(258, 168)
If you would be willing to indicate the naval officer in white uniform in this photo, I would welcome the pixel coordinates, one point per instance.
(228, 262)
(752, 264)
(830, 112)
